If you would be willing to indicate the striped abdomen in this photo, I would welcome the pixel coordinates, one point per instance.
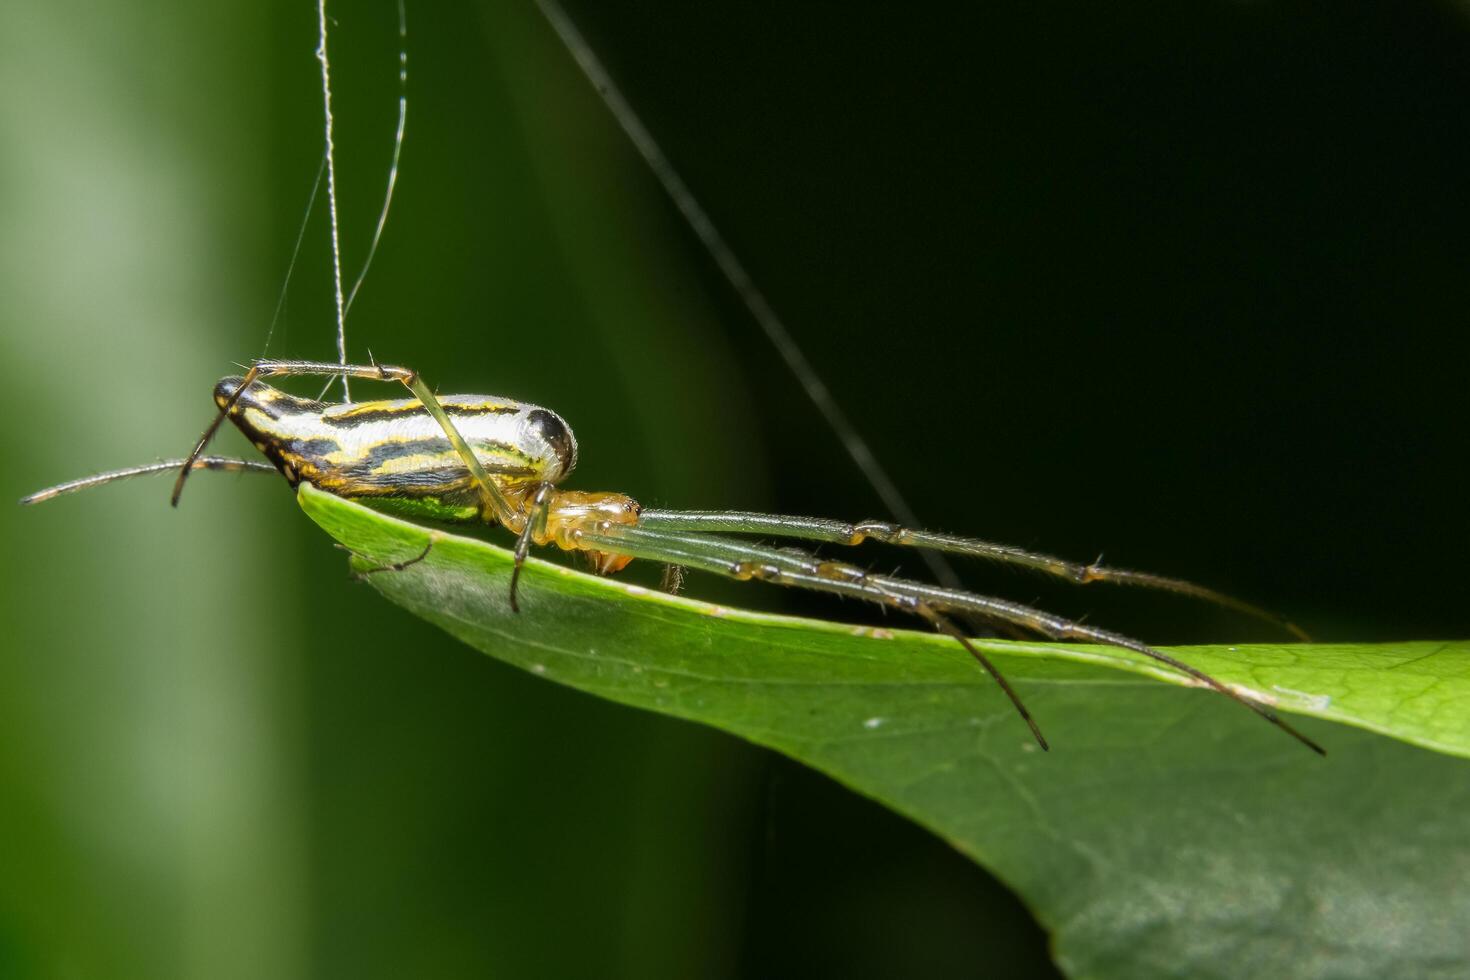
(394, 452)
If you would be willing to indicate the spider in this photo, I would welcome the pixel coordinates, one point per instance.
(478, 458)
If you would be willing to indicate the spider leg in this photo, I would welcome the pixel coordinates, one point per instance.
(945, 626)
(226, 463)
(539, 512)
(737, 559)
(843, 533)
(493, 501)
(396, 566)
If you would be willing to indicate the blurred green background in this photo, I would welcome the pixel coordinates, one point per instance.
(1186, 285)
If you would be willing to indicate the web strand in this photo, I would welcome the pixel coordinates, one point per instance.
(321, 55)
(739, 279)
(393, 169)
(316, 185)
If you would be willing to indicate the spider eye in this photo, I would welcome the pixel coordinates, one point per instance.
(556, 434)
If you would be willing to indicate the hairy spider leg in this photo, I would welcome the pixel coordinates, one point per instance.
(737, 559)
(843, 533)
(225, 463)
(948, 628)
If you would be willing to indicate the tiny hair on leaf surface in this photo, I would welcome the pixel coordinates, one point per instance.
(1166, 834)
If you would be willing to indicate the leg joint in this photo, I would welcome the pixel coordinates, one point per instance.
(881, 530)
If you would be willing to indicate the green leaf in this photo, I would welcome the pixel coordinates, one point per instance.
(1168, 833)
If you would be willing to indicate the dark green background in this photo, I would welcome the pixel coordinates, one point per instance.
(1184, 284)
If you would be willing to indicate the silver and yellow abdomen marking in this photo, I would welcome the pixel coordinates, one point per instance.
(395, 449)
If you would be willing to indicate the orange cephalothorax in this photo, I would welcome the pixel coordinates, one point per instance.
(573, 511)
